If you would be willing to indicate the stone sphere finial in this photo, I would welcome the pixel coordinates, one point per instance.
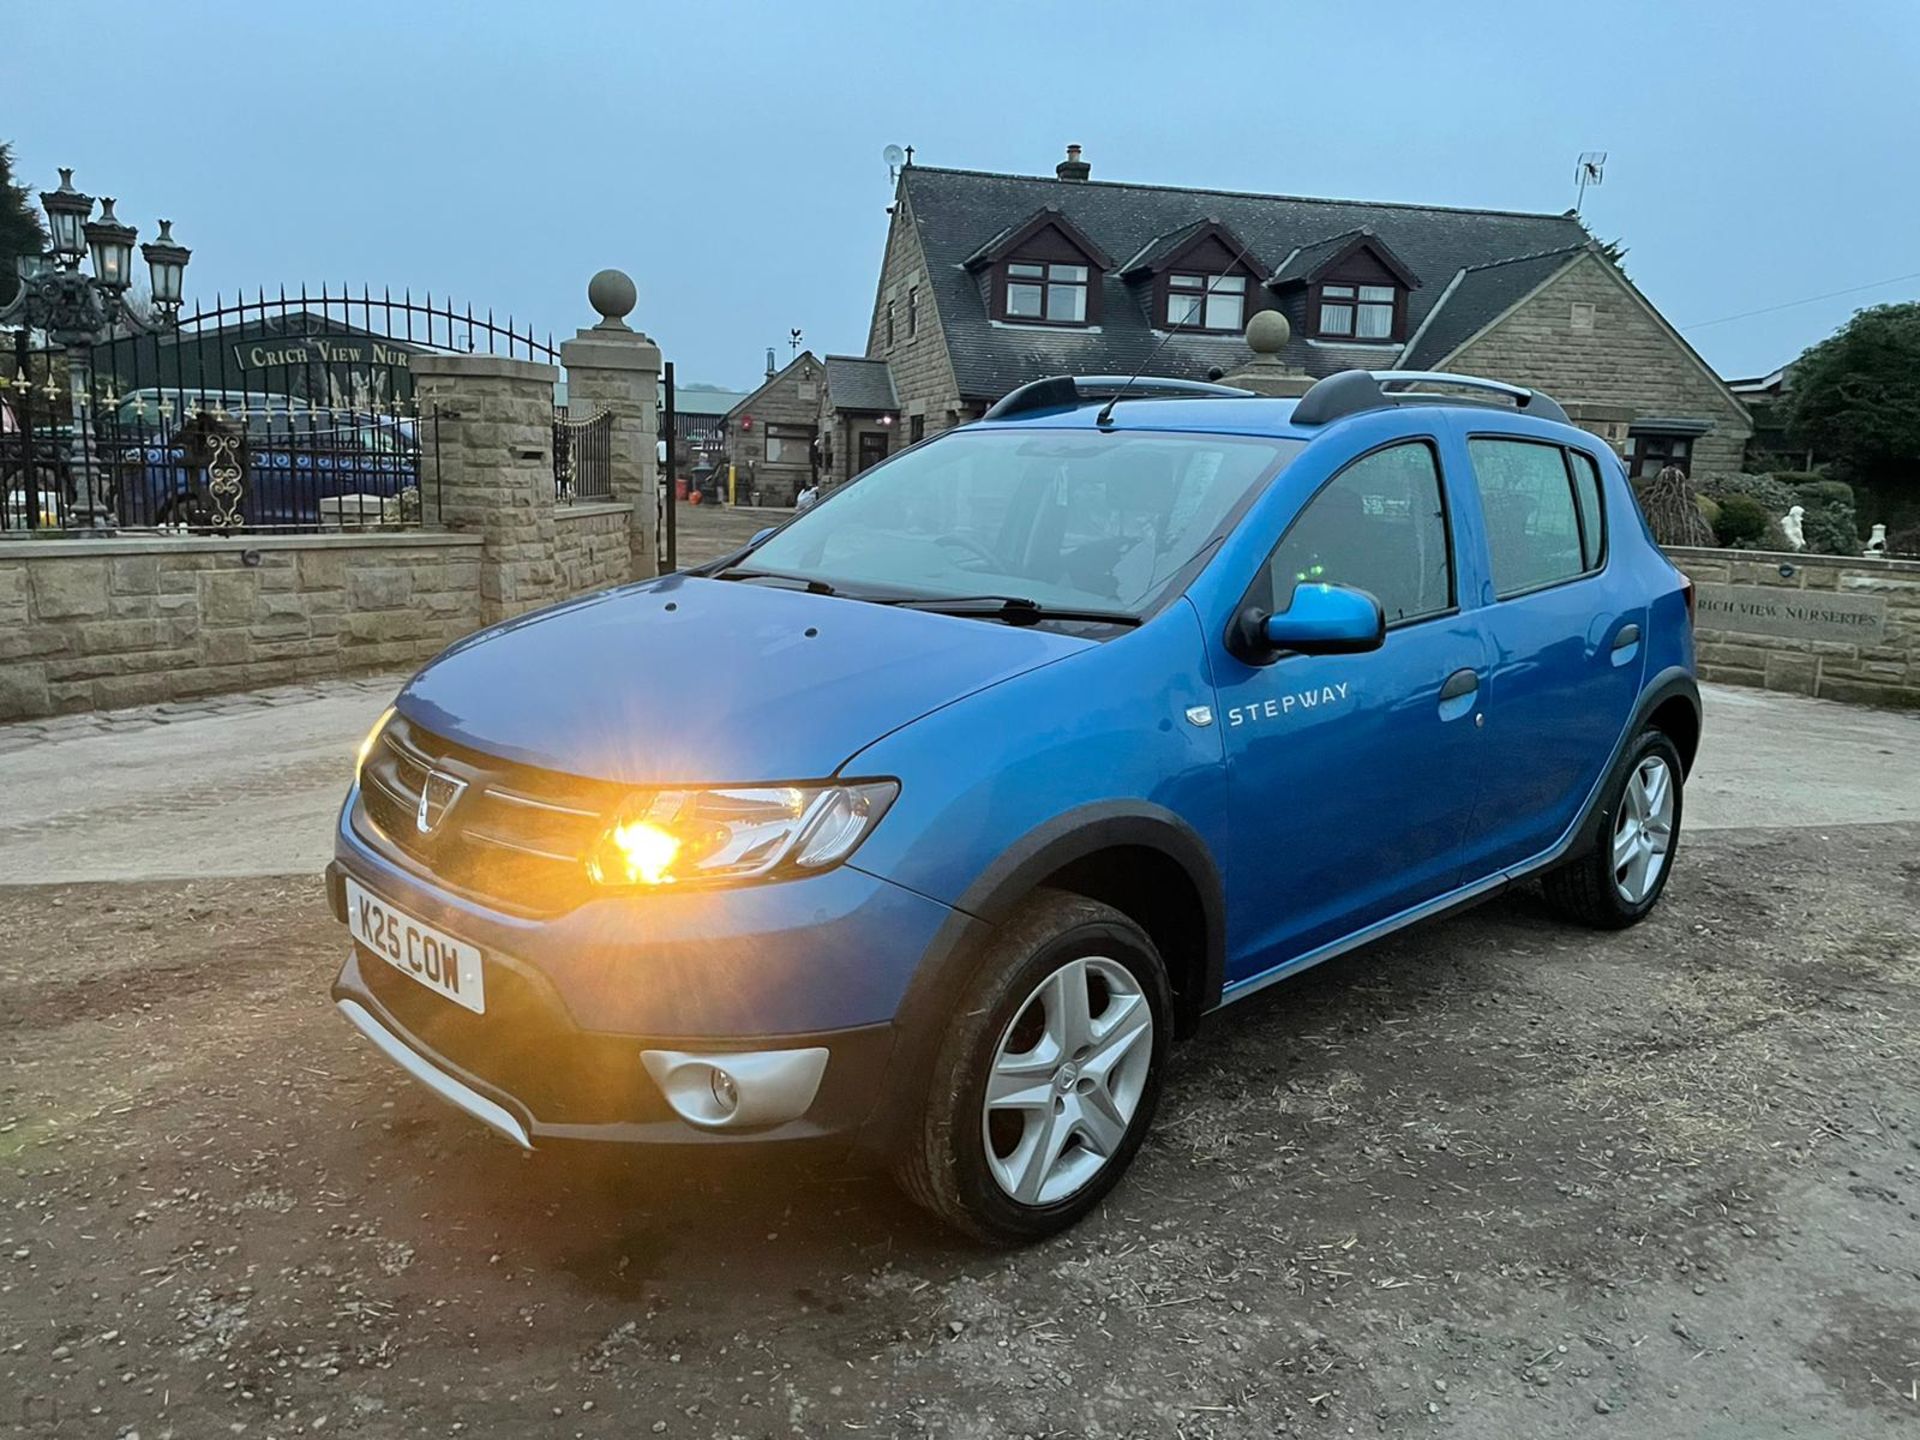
(611, 293)
(1268, 332)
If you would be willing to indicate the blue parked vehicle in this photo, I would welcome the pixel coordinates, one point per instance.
(924, 824)
(295, 456)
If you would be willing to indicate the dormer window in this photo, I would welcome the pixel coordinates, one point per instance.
(1043, 271)
(1349, 288)
(1206, 302)
(1362, 312)
(1051, 293)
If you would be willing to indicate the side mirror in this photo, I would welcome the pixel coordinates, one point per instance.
(760, 535)
(1325, 620)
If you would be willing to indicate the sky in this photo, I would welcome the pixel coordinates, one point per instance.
(728, 155)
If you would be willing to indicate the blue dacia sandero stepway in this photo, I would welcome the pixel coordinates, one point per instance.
(923, 824)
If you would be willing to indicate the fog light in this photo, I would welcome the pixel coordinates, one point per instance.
(725, 1093)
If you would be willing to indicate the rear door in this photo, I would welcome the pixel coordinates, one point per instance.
(1565, 640)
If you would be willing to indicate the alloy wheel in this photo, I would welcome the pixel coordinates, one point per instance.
(1066, 1080)
(1643, 833)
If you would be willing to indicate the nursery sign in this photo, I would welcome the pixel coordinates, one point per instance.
(1793, 614)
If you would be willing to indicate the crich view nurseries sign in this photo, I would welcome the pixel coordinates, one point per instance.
(318, 350)
(1792, 614)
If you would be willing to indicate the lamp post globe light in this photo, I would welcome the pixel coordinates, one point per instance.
(77, 310)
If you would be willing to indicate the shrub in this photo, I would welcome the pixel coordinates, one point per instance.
(1775, 498)
(1709, 510)
(1743, 523)
(1905, 543)
(1672, 510)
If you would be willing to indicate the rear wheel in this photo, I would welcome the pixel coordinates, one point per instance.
(1044, 1087)
(1622, 879)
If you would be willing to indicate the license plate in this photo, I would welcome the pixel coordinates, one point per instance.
(434, 958)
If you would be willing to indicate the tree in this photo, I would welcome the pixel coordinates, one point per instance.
(20, 230)
(1855, 402)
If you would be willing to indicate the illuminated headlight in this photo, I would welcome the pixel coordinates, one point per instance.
(373, 739)
(672, 837)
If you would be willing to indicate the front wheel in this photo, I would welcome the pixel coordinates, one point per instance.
(1621, 880)
(1044, 1087)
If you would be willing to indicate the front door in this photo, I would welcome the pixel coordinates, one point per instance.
(873, 449)
(1352, 777)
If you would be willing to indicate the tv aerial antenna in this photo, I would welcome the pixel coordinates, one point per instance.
(1590, 169)
(895, 158)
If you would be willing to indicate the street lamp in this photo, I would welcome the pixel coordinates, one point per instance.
(77, 311)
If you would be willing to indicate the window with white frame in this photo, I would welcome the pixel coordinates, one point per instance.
(1358, 312)
(1046, 292)
(1206, 302)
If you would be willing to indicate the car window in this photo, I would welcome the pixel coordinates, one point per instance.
(1533, 525)
(1380, 525)
(1586, 493)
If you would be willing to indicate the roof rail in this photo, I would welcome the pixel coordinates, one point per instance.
(1063, 392)
(1352, 392)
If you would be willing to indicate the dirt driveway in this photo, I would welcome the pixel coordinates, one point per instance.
(1498, 1178)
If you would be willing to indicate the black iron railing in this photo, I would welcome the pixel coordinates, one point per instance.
(583, 458)
(293, 411)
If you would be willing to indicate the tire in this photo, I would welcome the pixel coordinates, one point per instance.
(992, 1175)
(1599, 889)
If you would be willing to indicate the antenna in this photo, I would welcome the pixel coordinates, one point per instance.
(1105, 417)
(1591, 169)
(895, 158)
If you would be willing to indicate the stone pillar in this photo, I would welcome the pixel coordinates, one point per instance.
(615, 368)
(491, 422)
(1266, 373)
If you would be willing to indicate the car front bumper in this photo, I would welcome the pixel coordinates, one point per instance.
(607, 1023)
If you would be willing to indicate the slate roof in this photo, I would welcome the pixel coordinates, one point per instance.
(1310, 257)
(1478, 295)
(856, 383)
(960, 212)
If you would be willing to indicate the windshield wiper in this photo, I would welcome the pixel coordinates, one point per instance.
(1013, 609)
(812, 587)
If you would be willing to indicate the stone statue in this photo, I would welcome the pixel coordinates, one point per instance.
(1793, 527)
(1877, 542)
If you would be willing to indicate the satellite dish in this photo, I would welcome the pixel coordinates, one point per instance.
(895, 158)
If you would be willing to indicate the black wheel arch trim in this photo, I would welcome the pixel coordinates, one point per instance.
(999, 889)
(1675, 682)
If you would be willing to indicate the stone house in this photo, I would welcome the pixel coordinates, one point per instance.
(859, 414)
(770, 435)
(992, 280)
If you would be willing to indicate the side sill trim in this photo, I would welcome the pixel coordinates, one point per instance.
(1379, 930)
(460, 1096)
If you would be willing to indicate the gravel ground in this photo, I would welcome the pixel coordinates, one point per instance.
(1495, 1178)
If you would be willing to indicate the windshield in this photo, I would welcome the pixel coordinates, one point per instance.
(1067, 518)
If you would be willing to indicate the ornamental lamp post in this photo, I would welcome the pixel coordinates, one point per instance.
(77, 311)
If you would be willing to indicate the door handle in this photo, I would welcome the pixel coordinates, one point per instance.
(1461, 682)
(1629, 635)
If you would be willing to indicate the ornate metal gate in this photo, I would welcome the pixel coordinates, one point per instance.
(290, 411)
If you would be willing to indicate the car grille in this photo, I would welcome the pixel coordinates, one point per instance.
(514, 835)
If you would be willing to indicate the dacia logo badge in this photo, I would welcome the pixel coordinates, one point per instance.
(437, 797)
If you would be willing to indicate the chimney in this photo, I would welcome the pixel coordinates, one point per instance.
(1073, 167)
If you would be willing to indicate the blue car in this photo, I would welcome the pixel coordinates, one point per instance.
(924, 825)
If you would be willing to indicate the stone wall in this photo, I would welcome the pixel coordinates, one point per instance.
(1837, 628)
(97, 624)
(1588, 340)
(592, 548)
(922, 371)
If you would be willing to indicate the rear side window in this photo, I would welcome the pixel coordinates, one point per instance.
(1380, 526)
(1535, 531)
(1586, 495)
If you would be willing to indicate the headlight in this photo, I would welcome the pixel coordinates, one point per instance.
(373, 738)
(670, 837)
